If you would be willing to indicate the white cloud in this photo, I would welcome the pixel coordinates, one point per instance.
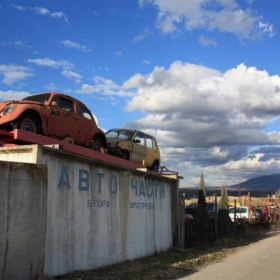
(70, 74)
(75, 45)
(206, 42)
(20, 8)
(224, 15)
(46, 12)
(17, 43)
(141, 36)
(41, 11)
(51, 63)
(146, 61)
(13, 95)
(208, 117)
(51, 87)
(118, 53)
(57, 64)
(248, 166)
(14, 73)
(106, 87)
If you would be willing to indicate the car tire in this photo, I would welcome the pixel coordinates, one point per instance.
(27, 123)
(155, 166)
(96, 143)
(125, 155)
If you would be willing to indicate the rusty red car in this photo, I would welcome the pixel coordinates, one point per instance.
(54, 115)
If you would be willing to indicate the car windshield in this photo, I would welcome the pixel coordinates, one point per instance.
(120, 134)
(238, 210)
(43, 97)
(211, 206)
(192, 205)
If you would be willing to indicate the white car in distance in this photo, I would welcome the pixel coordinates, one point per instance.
(242, 212)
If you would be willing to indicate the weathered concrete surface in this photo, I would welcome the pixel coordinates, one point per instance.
(23, 211)
(99, 214)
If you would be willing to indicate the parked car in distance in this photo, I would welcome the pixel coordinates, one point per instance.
(242, 212)
(135, 145)
(212, 207)
(54, 115)
(192, 208)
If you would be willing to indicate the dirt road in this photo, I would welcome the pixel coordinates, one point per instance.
(257, 261)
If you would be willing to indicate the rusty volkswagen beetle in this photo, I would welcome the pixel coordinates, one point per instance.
(54, 115)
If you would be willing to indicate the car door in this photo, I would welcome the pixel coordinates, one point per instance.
(84, 123)
(152, 152)
(61, 123)
(139, 150)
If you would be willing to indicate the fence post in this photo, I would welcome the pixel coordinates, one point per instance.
(216, 218)
(267, 214)
(249, 208)
(181, 224)
(234, 218)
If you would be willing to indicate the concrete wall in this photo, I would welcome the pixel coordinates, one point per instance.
(99, 214)
(23, 212)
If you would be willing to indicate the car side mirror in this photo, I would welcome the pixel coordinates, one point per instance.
(137, 141)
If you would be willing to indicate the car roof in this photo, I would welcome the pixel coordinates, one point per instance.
(62, 94)
(130, 129)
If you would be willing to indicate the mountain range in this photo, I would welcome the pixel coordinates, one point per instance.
(262, 185)
(266, 183)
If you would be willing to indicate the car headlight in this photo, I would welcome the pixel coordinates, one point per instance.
(7, 109)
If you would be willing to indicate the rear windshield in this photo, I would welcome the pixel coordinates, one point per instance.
(44, 97)
(211, 206)
(238, 210)
(192, 205)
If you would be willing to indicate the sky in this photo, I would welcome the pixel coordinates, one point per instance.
(202, 76)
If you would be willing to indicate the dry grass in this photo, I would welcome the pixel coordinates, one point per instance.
(174, 264)
(170, 265)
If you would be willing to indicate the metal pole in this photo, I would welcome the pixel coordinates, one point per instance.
(216, 218)
(181, 224)
(249, 208)
(234, 218)
(266, 212)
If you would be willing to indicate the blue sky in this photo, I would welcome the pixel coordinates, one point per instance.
(202, 76)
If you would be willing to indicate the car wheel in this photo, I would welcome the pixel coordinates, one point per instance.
(125, 155)
(155, 166)
(96, 144)
(26, 123)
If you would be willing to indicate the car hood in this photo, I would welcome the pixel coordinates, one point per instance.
(3, 104)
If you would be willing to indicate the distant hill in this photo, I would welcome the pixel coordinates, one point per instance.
(266, 183)
(262, 185)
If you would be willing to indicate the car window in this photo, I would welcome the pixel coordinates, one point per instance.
(124, 134)
(120, 134)
(44, 97)
(150, 141)
(192, 205)
(210, 206)
(83, 111)
(112, 134)
(63, 104)
(141, 137)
